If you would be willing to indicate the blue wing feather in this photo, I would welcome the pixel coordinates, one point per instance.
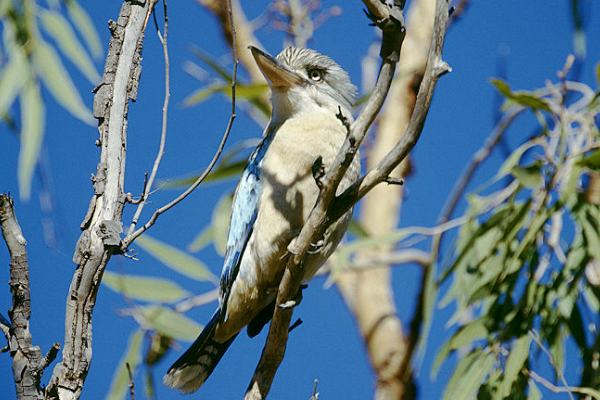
(245, 209)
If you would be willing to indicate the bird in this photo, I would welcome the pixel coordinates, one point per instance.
(311, 98)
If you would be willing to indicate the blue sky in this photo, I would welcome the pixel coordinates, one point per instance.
(537, 36)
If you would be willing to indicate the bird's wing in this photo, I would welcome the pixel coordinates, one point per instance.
(245, 209)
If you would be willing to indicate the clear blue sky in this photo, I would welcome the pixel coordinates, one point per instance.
(538, 35)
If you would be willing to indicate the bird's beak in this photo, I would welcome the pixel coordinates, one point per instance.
(278, 75)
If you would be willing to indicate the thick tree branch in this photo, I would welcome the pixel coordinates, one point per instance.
(317, 222)
(367, 290)
(326, 210)
(101, 226)
(26, 358)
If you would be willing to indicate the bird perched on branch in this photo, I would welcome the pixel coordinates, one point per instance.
(311, 97)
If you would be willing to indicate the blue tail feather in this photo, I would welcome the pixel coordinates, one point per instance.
(194, 366)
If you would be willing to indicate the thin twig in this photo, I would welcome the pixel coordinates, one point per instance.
(536, 338)
(149, 181)
(132, 236)
(131, 384)
(562, 389)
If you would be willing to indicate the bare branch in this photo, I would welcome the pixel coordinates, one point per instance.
(26, 358)
(274, 350)
(101, 226)
(131, 237)
(149, 181)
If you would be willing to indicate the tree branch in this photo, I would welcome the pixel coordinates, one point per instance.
(367, 290)
(26, 358)
(101, 226)
(317, 222)
(125, 243)
(149, 182)
(326, 210)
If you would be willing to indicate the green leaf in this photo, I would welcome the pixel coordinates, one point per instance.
(526, 99)
(530, 176)
(58, 81)
(12, 79)
(176, 259)
(357, 229)
(213, 64)
(466, 335)
(85, 26)
(222, 172)
(591, 161)
(169, 322)
(250, 92)
(516, 359)
(32, 131)
(58, 27)
(469, 375)
(513, 160)
(533, 391)
(199, 95)
(143, 287)
(220, 223)
(201, 240)
(132, 356)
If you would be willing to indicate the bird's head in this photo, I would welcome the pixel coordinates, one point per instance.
(302, 79)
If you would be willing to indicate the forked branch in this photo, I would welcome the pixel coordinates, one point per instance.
(328, 207)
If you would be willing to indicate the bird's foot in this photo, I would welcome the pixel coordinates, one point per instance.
(316, 247)
(295, 301)
(318, 171)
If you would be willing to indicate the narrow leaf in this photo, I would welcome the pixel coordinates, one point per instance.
(12, 80)
(176, 259)
(517, 358)
(468, 375)
(144, 288)
(220, 223)
(592, 161)
(222, 172)
(133, 356)
(170, 323)
(58, 27)
(58, 81)
(201, 240)
(32, 121)
(85, 26)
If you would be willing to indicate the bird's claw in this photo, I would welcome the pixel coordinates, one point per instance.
(318, 171)
(295, 301)
(316, 247)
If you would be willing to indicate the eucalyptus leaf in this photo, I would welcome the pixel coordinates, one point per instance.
(32, 131)
(220, 223)
(468, 375)
(58, 27)
(176, 259)
(527, 99)
(144, 288)
(133, 356)
(85, 26)
(466, 335)
(12, 79)
(222, 172)
(203, 239)
(591, 161)
(59, 83)
(529, 177)
(519, 354)
(169, 323)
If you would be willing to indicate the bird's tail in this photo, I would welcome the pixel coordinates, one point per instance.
(190, 371)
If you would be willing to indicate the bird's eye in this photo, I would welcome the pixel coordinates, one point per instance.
(315, 75)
